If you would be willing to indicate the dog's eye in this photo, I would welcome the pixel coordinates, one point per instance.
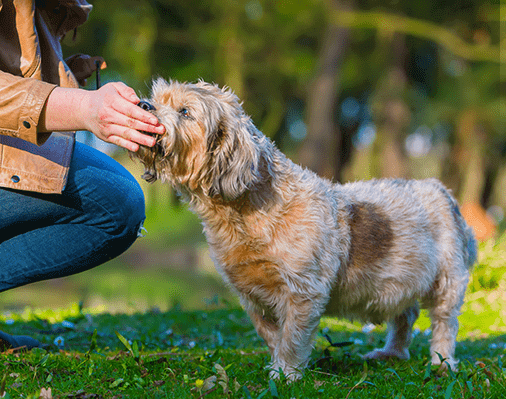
(184, 112)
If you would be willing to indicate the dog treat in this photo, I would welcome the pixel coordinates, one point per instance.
(293, 245)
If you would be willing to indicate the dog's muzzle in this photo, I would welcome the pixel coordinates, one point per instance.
(146, 106)
(150, 108)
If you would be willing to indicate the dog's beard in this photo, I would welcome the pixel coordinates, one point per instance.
(151, 157)
(148, 155)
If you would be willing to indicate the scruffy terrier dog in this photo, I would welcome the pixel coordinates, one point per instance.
(294, 245)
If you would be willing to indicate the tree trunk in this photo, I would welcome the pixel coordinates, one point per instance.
(470, 150)
(392, 115)
(322, 149)
(230, 57)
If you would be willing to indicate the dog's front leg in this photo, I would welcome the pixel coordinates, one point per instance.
(266, 324)
(288, 331)
(297, 325)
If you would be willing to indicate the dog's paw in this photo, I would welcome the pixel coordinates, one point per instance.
(382, 354)
(445, 364)
(291, 374)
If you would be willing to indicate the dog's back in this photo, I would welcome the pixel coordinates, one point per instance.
(426, 201)
(447, 206)
(409, 245)
(404, 235)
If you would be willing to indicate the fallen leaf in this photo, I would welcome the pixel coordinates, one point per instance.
(221, 372)
(45, 394)
(209, 383)
(237, 386)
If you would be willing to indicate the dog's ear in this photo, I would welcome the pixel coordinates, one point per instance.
(233, 148)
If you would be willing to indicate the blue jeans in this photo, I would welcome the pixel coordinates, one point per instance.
(96, 218)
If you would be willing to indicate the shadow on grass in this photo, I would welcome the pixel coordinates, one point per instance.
(215, 327)
(350, 357)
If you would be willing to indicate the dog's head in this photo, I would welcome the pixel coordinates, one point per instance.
(210, 146)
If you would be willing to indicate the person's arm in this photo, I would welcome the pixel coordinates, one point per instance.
(21, 102)
(111, 113)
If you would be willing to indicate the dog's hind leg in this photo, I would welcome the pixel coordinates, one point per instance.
(399, 335)
(448, 298)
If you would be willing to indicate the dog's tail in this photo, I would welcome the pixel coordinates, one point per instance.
(469, 243)
(471, 250)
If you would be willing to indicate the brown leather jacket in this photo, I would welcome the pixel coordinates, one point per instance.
(31, 66)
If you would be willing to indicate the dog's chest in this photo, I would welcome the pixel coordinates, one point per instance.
(256, 251)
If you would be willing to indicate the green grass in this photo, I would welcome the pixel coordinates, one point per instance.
(211, 349)
(176, 354)
(119, 287)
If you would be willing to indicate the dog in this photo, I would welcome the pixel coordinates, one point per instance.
(294, 245)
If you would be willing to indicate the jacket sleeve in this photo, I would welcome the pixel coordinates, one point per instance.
(21, 102)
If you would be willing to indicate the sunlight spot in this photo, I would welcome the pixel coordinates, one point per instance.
(297, 130)
(365, 136)
(419, 143)
(254, 10)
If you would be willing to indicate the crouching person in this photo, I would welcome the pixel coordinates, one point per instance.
(64, 207)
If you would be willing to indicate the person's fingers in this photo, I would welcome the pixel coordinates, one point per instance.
(126, 92)
(116, 118)
(121, 142)
(119, 120)
(136, 118)
(137, 137)
(127, 133)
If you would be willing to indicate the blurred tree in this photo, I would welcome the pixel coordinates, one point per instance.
(324, 150)
(401, 65)
(478, 140)
(390, 112)
(124, 32)
(452, 83)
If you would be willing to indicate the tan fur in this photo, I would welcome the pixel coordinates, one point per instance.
(293, 245)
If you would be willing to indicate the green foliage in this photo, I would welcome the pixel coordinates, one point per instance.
(270, 54)
(490, 271)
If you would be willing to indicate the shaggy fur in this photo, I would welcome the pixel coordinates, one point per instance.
(294, 245)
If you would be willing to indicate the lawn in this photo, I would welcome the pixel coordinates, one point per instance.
(194, 348)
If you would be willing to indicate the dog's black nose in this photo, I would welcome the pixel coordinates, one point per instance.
(146, 106)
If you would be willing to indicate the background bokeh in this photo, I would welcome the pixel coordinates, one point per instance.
(353, 89)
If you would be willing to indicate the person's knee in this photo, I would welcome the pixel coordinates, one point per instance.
(116, 207)
(110, 198)
(130, 212)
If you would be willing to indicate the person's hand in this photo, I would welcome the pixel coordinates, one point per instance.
(112, 114)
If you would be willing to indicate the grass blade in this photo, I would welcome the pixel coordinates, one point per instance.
(124, 341)
(449, 390)
(274, 389)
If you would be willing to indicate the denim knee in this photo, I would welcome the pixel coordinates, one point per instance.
(130, 213)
